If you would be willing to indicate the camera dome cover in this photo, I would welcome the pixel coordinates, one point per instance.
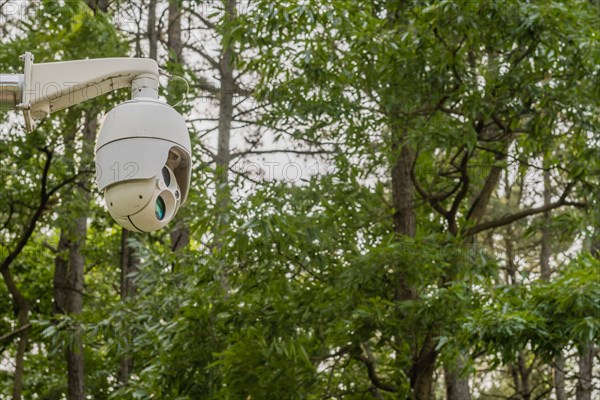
(137, 138)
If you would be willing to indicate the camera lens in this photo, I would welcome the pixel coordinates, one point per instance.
(166, 176)
(160, 208)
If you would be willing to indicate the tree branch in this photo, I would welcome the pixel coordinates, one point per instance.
(45, 196)
(273, 151)
(432, 199)
(205, 21)
(9, 336)
(370, 364)
(510, 218)
(36, 216)
(204, 55)
(451, 215)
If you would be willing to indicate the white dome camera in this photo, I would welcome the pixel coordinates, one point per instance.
(143, 151)
(143, 163)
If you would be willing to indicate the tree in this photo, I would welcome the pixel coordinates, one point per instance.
(64, 162)
(440, 90)
(441, 239)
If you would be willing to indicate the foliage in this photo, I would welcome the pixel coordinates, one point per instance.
(300, 296)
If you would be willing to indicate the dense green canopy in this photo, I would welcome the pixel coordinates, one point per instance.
(390, 199)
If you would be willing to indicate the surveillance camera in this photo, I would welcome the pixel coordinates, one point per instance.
(143, 163)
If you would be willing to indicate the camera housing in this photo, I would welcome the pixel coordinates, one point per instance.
(143, 151)
(143, 163)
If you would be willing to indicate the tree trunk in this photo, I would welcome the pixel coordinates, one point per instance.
(403, 191)
(152, 33)
(545, 272)
(180, 233)
(68, 298)
(595, 246)
(520, 374)
(174, 31)
(584, 376)
(180, 238)
(226, 66)
(524, 372)
(519, 371)
(98, 5)
(70, 268)
(21, 348)
(129, 265)
(423, 366)
(22, 307)
(511, 268)
(223, 157)
(421, 376)
(457, 386)
(559, 377)
(588, 352)
(514, 373)
(546, 240)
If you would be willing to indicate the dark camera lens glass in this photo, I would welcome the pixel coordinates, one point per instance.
(160, 208)
(166, 176)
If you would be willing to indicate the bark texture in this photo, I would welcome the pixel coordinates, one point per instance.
(180, 237)
(559, 378)
(403, 192)
(588, 352)
(421, 376)
(424, 358)
(420, 373)
(70, 268)
(457, 386)
(22, 307)
(546, 239)
(98, 5)
(545, 272)
(180, 233)
(584, 375)
(68, 299)
(152, 31)
(174, 31)
(129, 266)
(223, 158)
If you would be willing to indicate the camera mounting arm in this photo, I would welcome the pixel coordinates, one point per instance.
(47, 87)
(143, 153)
